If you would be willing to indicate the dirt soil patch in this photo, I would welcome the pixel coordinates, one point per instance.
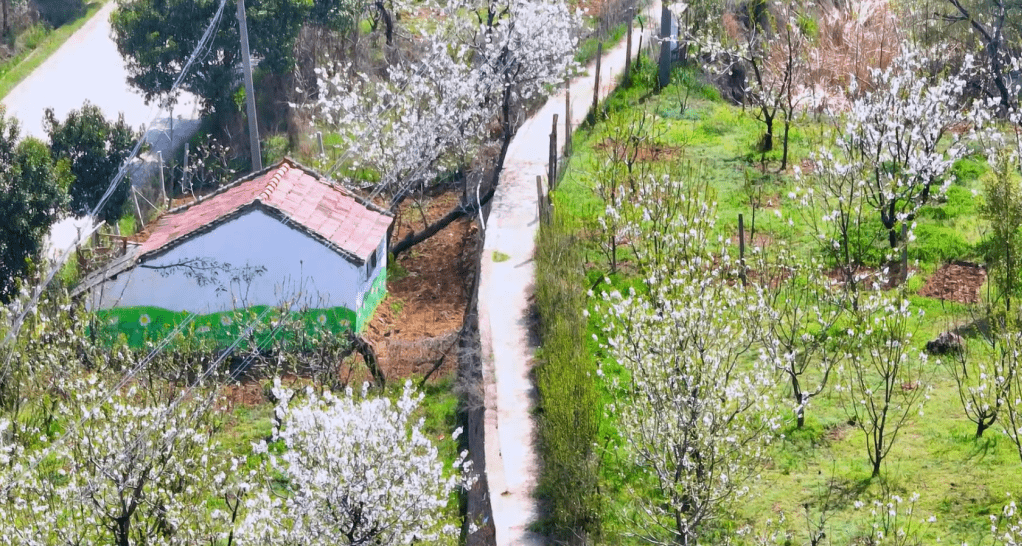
(644, 151)
(418, 323)
(869, 277)
(956, 281)
(761, 240)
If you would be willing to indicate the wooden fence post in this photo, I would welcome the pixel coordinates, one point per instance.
(741, 249)
(596, 88)
(628, 48)
(665, 47)
(567, 117)
(552, 164)
(138, 210)
(540, 199)
(904, 252)
(165, 200)
(638, 56)
(185, 182)
(319, 140)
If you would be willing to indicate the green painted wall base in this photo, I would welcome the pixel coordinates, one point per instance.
(371, 301)
(137, 326)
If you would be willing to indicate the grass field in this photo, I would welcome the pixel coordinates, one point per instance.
(820, 470)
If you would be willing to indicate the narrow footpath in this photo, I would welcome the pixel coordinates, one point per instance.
(512, 463)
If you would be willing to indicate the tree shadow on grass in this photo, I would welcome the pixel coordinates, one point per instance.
(839, 491)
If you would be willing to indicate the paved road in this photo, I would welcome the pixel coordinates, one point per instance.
(512, 465)
(88, 67)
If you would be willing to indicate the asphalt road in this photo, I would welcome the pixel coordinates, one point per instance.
(89, 68)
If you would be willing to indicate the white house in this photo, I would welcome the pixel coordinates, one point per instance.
(280, 235)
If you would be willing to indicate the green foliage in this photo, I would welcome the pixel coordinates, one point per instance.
(274, 149)
(588, 48)
(31, 37)
(30, 201)
(395, 270)
(95, 150)
(156, 38)
(126, 224)
(1002, 209)
(968, 169)
(569, 407)
(58, 12)
(808, 26)
(938, 244)
(337, 15)
(958, 202)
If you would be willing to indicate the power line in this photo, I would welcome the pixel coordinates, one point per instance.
(106, 397)
(204, 42)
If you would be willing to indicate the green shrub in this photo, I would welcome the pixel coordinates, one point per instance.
(958, 202)
(275, 147)
(127, 224)
(569, 407)
(30, 38)
(968, 169)
(937, 244)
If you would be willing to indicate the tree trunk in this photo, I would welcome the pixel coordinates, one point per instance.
(459, 211)
(784, 155)
(768, 138)
(800, 410)
(6, 7)
(123, 532)
(365, 349)
(387, 22)
(980, 427)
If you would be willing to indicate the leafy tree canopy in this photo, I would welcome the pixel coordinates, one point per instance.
(95, 150)
(31, 198)
(156, 38)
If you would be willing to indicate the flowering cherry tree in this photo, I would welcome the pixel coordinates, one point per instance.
(899, 138)
(883, 379)
(358, 470)
(1006, 528)
(459, 99)
(985, 383)
(694, 416)
(893, 154)
(802, 306)
(134, 468)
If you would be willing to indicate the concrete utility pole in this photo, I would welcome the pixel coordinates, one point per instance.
(253, 124)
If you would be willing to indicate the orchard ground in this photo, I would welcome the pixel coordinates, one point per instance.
(823, 467)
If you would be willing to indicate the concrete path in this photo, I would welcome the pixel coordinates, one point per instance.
(512, 465)
(88, 67)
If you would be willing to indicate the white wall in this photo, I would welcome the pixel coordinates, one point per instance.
(293, 261)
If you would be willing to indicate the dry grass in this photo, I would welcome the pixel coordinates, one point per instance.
(850, 42)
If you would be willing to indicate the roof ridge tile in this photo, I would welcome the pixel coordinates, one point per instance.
(274, 181)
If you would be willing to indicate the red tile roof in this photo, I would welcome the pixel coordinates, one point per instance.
(329, 212)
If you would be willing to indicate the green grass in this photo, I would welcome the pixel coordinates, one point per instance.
(127, 224)
(39, 44)
(960, 480)
(568, 413)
